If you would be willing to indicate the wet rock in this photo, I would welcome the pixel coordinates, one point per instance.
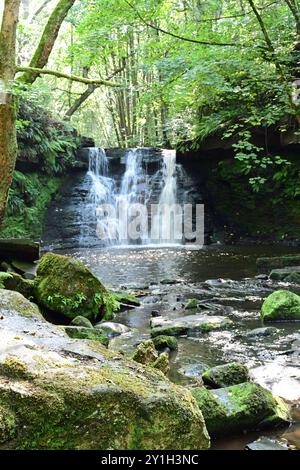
(22, 267)
(81, 321)
(193, 370)
(29, 276)
(262, 277)
(85, 295)
(281, 305)
(155, 313)
(166, 282)
(226, 375)
(15, 282)
(293, 277)
(190, 304)
(265, 264)
(145, 353)
(162, 342)
(113, 329)
(257, 332)
(265, 443)
(187, 325)
(126, 299)
(74, 394)
(286, 274)
(162, 363)
(241, 407)
(81, 332)
(219, 282)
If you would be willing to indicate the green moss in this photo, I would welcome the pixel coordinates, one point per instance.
(14, 368)
(17, 283)
(226, 375)
(81, 332)
(162, 342)
(246, 406)
(26, 219)
(14, 301)
(126, 299)
(192, 303)
(145, 353)
(81, 321)
(162, 363)
(281, 305)
(3, 279)
(7, 424)
(85, 295)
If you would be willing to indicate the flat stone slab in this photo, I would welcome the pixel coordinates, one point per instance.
(188, 325)
(21, 249)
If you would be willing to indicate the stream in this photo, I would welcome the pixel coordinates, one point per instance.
(222, 278)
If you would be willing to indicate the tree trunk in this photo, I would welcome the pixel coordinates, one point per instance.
(8, 139)
(50, 33)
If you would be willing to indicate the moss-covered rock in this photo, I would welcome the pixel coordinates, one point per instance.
(162, 363)
(283, 274)
(241, 407)
(82, 332)
(281, 305)
(145, 353)
(15, 302)
(16, 282)
(126, 299)
(81, 321)
(266, 264)
(7, 424)
(64, 285)
(73, 394)
(226, 375)
(162, 342)
(190, 304)
(188, 325)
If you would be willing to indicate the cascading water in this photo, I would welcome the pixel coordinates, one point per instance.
(168, 199)
(137, 187)
(102, 190)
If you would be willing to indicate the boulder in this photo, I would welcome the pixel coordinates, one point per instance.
(81, 321)
(262, 332)
(241, 407)
(285, 274)
(163, 342)
(66, 286)
(113, 329)
(281, 305)
(59, 393)
(187, 325)
(82, 332)
(265, 264)
(226, 375)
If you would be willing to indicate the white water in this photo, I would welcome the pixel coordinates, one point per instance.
(136, 187)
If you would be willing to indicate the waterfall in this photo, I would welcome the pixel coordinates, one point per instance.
(134, 190)
(165, 218)
(101, 191)
(136, 187)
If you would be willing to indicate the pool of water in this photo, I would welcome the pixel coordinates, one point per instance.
(195, 274)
